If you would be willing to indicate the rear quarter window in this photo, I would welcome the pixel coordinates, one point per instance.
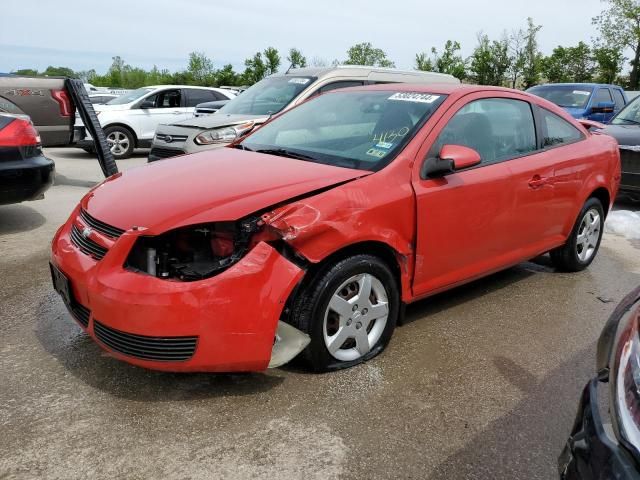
(557, 131)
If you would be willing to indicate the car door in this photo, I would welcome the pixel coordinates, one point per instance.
(546, 184)
(465, 219)
(563, 147)
(165, 106)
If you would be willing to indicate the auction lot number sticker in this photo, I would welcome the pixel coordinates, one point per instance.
(414, 97)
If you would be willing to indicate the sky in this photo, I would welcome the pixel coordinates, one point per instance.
(85, 34)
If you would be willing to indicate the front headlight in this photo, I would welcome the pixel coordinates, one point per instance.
(220, 135)
(625, 378)
(223, 135)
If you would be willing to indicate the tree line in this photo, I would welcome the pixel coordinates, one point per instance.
(514, 59)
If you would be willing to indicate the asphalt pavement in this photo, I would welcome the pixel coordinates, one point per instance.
(482, 382)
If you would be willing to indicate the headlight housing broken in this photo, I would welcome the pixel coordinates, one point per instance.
(199, 251)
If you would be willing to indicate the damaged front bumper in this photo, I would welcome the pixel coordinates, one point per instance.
(591, 452)
(229, 322)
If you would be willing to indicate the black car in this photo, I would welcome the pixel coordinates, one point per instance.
(625, 128)
(25, 173)
(605, 442)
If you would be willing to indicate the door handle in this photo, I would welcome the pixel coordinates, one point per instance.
(177, 113)
(537, 181)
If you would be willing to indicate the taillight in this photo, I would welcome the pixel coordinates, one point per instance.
(19, 133)
(63, 100)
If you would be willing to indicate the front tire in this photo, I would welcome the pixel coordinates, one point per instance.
(120, 141)
(350, 311)
(583, 243)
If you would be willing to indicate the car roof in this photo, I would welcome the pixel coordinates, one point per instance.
(577, 85)
(359, 70)
(437, 88)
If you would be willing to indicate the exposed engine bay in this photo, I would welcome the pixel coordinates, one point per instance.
(197, 252)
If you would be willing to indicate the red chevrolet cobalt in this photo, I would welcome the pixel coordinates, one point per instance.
(310, 234)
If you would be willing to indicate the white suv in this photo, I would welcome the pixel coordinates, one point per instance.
(130, 120)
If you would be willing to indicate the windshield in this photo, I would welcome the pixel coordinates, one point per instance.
(363, 130)
(268, 96)
(130, 97)
(567, 96)
(629, 115)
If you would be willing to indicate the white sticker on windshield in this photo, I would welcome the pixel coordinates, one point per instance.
(414, 97)
(301, 81)
(581, 92)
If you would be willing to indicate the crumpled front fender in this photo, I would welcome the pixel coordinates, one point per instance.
(320, 226)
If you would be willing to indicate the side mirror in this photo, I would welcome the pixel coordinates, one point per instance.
(603, 107)
(450, 159)
(459, 156)
(147, 104)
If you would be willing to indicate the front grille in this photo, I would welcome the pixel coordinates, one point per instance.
(164, 152)
(630, 164)
(98, 226)
(86, 245)
(165, 349)
(80, 313)
(174, 138)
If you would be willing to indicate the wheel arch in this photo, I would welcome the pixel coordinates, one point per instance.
(602, 194)
(385, 252)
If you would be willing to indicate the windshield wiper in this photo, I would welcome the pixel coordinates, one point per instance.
(282, 152)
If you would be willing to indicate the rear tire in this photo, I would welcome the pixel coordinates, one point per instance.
(583, 243)
(120, 141)
(349, 310)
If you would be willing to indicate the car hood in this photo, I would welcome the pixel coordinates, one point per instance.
(624, 134)
(219, 120)
(220, 185)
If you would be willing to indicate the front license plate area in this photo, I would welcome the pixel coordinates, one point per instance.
(61, 284)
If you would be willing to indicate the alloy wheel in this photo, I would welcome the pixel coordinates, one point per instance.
(355, 317)
(588, 235)
(118, 143)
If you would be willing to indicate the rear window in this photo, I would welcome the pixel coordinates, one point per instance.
(566, 96)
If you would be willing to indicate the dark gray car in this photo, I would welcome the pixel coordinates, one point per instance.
(625, 128)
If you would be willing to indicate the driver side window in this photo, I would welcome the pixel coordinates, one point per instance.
(497, 128)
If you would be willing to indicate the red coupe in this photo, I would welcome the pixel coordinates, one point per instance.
(310, 234)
